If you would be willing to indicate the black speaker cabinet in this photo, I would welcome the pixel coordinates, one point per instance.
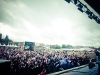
(5, 67)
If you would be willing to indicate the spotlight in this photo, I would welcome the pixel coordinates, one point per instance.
(87, 12)
(98, 20)
(90, 15)
(85, 8)
(95, 17)
(68, 1)
(80, 6)
(75, 1)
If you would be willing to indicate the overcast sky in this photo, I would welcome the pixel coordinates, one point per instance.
(47, 21)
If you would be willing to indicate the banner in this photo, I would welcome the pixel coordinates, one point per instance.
(29, 45)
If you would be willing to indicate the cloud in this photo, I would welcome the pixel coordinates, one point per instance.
(51, 22)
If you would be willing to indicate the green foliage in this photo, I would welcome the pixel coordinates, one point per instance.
(10, 40)
(0, 36)
(64, 46)
(55, 46)
(69, 46)
(6, 40)
(16, 43)
(99, 48)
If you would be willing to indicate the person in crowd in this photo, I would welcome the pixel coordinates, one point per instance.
(43, 72)
(40, 61)
(63, 64)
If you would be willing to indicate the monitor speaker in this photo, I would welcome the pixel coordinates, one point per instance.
(5, 67)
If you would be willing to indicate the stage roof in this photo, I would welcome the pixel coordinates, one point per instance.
(95, 4)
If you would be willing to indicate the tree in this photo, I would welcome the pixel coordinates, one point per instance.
(52, 46)
(99, 48)
(64, 46)
(55, 46)
(6, 40)
(0, 37)
(10, 40)
(70, 46)
(16, 43)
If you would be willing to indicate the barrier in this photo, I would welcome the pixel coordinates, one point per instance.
(68, 70)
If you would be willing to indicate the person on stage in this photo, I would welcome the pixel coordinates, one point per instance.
(97, 55)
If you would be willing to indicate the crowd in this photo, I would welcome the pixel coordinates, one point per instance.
(41, 61)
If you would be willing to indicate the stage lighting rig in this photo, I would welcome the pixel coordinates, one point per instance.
(84, 8)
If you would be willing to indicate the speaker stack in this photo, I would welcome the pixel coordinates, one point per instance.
(5, 67)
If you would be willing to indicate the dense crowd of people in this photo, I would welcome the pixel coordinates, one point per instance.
(41, 61)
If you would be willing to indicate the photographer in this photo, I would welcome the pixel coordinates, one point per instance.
(97, 55)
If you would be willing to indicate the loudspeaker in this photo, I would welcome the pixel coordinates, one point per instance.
(5, 67)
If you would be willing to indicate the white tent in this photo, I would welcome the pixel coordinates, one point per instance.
(15, 46)
(12, 45)
(8, 45)
(3, 45)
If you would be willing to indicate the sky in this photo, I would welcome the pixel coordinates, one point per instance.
(48, 22)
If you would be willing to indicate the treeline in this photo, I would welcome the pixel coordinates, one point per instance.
(56, 46)
(5, 40)
(63, 46)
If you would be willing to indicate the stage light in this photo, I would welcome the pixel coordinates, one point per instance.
(75, 1)
(85, 8)
(95, 17)
(98, 20)
(68, 1)
(87, 12)
(80, 6)
(90, 15)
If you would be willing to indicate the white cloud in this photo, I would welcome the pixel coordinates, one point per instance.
(7, 30)
(55, 22)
